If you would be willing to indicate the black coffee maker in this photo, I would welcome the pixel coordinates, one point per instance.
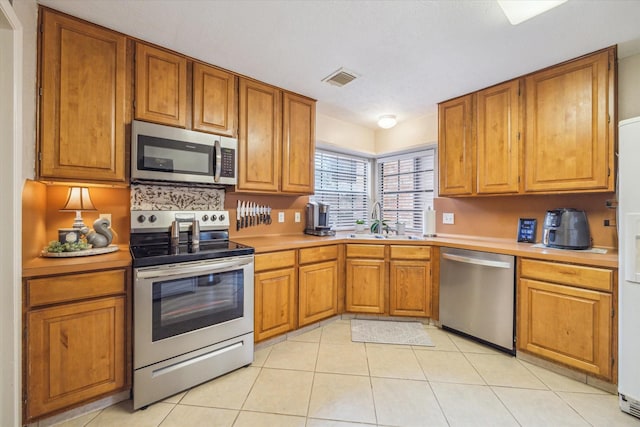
(317, 220)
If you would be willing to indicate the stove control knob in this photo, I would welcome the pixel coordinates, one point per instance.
(213, 217)
(205, 217)
(153, 218)
(141, 218)
(221, 217)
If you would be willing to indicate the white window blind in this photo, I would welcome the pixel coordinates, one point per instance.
(342, 181)
(406, 187)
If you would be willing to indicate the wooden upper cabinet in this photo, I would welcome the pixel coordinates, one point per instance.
(497, 138)
(214, 100)
(161, 86)
(569, 135)
(298, 144)
(83, 105)
(259, 140)
(456, 146)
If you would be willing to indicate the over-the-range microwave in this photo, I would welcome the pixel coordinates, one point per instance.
(165, 153)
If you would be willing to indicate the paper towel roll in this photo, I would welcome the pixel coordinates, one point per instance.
(429, 222)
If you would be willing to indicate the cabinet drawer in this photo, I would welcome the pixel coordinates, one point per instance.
(365, 251)
(410, 252)
(49, 290)
(567, 274)
(321, 253)
(274, 260)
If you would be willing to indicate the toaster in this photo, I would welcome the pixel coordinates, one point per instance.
(566, 228)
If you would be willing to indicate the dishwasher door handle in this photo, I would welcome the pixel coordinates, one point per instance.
(477, 261)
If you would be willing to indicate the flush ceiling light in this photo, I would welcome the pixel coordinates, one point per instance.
(387, 122)
(518, 11)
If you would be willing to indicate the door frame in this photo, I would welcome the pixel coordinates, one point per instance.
(11, 51)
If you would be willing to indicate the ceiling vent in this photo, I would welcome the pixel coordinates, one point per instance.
(340, 77)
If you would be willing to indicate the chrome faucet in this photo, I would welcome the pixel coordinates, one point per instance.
(376, 216)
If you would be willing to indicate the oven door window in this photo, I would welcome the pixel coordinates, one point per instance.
(189, 304)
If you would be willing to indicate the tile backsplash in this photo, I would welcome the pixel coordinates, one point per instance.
(175, 197)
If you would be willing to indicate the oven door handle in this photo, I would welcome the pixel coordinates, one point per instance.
(218, 267)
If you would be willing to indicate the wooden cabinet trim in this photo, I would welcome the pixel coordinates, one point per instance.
(274, 260)
(317, 254)
(568, 274)
(365, 251)
(71, 287)
(410, 252)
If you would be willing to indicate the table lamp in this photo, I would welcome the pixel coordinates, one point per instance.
(78, 200)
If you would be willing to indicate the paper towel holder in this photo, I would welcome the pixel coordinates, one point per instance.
(429, 222)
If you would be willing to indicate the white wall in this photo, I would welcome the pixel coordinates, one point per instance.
(27, 11)
(629, 87)
(345, 135)
(408, 134)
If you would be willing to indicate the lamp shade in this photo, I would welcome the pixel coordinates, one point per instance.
(78, 199)
(387, 121)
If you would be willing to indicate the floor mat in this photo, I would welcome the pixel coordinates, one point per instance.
(389, 332)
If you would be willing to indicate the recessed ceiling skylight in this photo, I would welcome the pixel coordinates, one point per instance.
(518, 11)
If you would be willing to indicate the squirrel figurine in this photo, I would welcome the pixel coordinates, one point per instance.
(101, 235)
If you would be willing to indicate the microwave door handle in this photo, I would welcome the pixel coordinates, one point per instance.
(218, 167)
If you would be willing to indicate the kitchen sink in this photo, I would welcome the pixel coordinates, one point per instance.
(384, 237)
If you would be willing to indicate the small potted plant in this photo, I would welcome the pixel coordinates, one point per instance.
(359, 225)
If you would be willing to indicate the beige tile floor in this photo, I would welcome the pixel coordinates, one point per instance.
(322, 379)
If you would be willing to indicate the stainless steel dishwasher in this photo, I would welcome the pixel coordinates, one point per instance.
(477, 296)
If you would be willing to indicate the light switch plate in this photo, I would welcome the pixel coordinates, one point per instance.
(297, 217)
(280, 216)
(447, 218)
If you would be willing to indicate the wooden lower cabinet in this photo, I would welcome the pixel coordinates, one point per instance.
(567, 324)
(365, 285)
(275, 294)
(76, 350)
(318, 288)
(410, 288)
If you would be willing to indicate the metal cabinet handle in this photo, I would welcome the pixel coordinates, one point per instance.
(476, 261)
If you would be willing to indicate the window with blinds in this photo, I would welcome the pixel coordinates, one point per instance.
(405, 186)
(342, 181)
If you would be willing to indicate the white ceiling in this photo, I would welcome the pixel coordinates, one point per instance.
(409, 55)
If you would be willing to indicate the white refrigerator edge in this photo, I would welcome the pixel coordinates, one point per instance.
(629, 266)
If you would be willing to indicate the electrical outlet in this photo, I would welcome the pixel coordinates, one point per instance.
(106, 216)
(297, 217)
(280, 216)
(447, 218)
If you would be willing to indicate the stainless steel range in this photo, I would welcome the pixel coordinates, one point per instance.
(193, 301)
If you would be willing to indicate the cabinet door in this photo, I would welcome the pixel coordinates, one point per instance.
(76, 352)
(259, 137)
(568, 137)
(161, 86)
(497, 138)
(410, 288)
(298, 144)
(566, 324)
(83, 102)
(275, 303)
(456, 147)
(214, 100)
(318, 289)
(365, 285)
